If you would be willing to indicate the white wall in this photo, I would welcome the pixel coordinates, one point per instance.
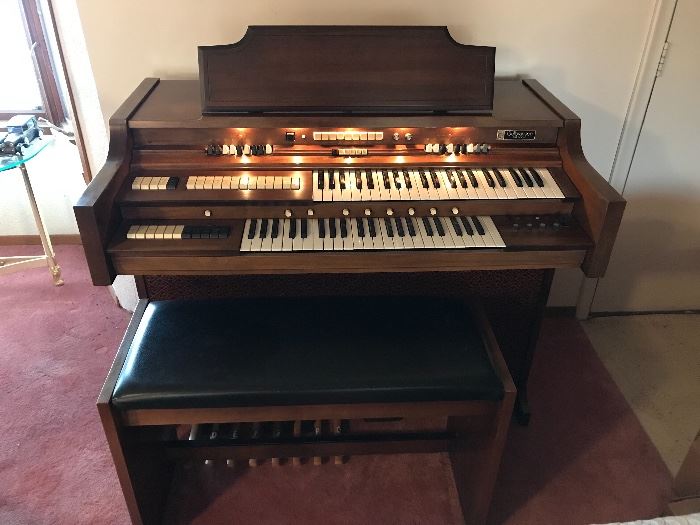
(587, 53)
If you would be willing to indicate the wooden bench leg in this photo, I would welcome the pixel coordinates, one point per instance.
(145, 476)
(475, 463)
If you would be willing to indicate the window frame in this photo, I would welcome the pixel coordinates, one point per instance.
(53, 107)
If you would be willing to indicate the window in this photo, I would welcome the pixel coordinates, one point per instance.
(28, 82)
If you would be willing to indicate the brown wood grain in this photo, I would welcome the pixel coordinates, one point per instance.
(388, 69)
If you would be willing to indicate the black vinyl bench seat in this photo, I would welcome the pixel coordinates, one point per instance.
(305, 351)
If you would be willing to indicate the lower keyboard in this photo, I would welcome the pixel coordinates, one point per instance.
(366, 233)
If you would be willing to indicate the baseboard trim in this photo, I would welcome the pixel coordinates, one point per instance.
(560, 311)
(687, 311)
(16, 240)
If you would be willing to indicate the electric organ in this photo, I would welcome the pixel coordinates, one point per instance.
(349, 161)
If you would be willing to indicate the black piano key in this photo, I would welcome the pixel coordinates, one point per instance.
(331, 228)
(275, 228)
(462, 179)
(489, 178)
(535, 175)
(331, 180)
(358, 180)
(530, 183)
(263, 228)
(397, 180)
(195, 232)
(343, 228)
(370, 181)
(428, 226)
(385, 177)
(205, 232)
(172, 183)
(218, 149)
(516, 178)
(322, 228)
(438, 226)
(187, 232)
(467, 227)
(292, 228)
(456, 226)
(342, 180)
(436, 180)
(458, 149)
(239, 150)
(252, 227)
(499, 177)
(407, 178)
(443, 149)
(304, 228)
(410, 226)
(472, 178)
(451, 179)
(479, 227)
(399, 227)
(389, 228)
(371, 227)
(360, 227)
(224, 232)
(424, 180)
(320, 184)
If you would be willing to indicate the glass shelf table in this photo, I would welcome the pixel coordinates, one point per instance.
(15, 263)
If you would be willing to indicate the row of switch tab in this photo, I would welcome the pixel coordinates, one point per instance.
(390, 233)
(434, 184)
(176, 232)
(348, 135)
(456, 149)
(243, 182)
(154, 183)
(239, 149)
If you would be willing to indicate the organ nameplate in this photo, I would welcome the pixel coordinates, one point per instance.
(516, 134)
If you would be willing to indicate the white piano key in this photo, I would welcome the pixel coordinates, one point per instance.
(151, 231)
(136, 183)
(141, 231)
(190, 182)
(307, 243)
(336, 193)
(457, 241)
(327, 193)
(518, 190)
(155, 183)
(386, 242)
(417, 239)
(277, 241)
(327, 240)
(357, 243)
(245, 241)
(208, 183)
(550, 183)
(508, 190)
(488, 190)
(428, 240)
(218, 182)
(367, 243)
(500, 191)
(378, 191)
(159, 233)
(491, 228)
(286, 241)
(406, 239)
(452, 193)
(448, 239)
(529, 191)
(365, 193)
(394, 193)
(404, 192)
(316, 241)
(431, 192)
(462, 193)
(226, 182)
(168, 234)
(337, 240)
(348, 241)
(297, 241)
(177, 232)
(131, 234)
(356, 193)
(479, 240)
(466, 238)
(277, 183)
(397, 239)
(267, 241)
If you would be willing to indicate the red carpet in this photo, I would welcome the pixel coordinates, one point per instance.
(583, 459)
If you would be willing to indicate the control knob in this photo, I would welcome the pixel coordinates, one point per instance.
(287, 213)
(389, 212)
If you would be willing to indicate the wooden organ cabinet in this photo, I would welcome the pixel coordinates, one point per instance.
(349, 162)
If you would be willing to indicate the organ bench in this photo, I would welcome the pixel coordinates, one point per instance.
(282, 381)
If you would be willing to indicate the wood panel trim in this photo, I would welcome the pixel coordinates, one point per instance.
(31, 240)
(173, 416)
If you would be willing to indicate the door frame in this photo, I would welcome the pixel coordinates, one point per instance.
(652, 57)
